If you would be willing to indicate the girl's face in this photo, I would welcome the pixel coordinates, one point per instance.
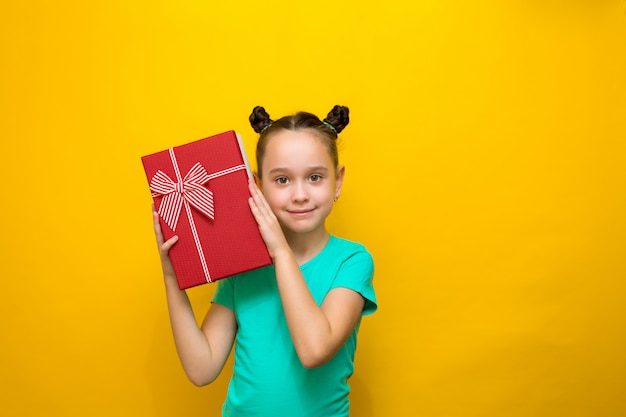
(299, 180)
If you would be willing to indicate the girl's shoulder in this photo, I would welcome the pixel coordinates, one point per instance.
(343, 244)
(340, 249)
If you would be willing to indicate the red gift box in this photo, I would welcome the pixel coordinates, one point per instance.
(200, 191)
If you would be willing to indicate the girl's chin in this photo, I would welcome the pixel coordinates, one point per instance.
(300, 227)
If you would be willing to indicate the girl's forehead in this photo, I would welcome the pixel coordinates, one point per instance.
(296, 148)
(300, 141)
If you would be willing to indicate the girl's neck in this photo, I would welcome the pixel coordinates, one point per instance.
(306, 246)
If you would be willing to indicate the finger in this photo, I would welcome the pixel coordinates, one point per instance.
(256, 199)
(262, 212)
(157, 228)
(254, 189)
(256, 212)
(165, 247)
(260, 201)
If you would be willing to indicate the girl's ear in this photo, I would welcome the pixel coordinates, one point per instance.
(341, 172)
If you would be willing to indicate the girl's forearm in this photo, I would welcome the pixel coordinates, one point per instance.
(309, 327)
(201, 362)
(191, 343)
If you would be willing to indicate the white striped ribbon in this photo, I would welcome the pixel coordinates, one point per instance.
(188, 191)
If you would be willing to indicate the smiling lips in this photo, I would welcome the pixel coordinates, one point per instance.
(301, 212)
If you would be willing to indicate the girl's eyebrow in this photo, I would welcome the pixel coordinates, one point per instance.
(319, 168)
(310, 169)
(275, 170)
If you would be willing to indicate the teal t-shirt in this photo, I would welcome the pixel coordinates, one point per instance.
(268, 379)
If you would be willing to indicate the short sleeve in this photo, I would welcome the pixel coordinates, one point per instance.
(357, 273)
(224, 293)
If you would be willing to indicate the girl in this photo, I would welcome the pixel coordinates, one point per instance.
(295, 322)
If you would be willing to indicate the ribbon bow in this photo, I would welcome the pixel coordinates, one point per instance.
(191, 189)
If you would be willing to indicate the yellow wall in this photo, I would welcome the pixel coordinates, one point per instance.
(485, 171)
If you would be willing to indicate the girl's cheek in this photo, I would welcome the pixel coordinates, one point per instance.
(270, 196)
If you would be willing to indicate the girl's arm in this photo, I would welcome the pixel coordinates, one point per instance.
(202, 350)
(317, 331)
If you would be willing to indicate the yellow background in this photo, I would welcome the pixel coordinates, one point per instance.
(485, 171)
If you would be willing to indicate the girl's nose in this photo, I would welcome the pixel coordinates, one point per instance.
(299, 193)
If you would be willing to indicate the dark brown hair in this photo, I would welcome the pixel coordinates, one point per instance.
(327, 129)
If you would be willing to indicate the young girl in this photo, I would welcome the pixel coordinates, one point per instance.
(295, 322)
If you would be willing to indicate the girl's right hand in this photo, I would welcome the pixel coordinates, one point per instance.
(269, 226)
(164, 246)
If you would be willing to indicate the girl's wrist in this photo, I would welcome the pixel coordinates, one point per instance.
(281, 253)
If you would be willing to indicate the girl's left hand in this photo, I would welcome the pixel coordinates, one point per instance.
(268, 223)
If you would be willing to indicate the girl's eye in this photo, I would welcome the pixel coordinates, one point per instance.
(315, 177)
(281, 180)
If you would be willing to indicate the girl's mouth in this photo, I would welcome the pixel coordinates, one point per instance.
(300, 213)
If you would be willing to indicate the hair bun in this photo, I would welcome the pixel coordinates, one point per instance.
(259, 119)
(338, 117)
